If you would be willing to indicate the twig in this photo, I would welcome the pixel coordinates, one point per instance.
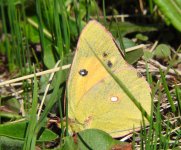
(18, 92)
(17, 84)
(141, 6)
(135, 47)
(115, 16)
(35, 25)
(37, 74)
(154, 65)
(154, 45)
(171, 71)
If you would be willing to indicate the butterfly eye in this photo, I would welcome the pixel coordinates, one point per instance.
(109, 63)
(114, 99)
(83, 72)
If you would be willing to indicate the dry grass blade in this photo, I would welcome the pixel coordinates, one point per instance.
(37, 74)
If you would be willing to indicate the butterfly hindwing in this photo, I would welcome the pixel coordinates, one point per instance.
(95, 100)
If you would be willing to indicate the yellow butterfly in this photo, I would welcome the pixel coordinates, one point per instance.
(95, 100)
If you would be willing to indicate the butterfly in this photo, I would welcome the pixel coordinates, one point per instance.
(95, 100)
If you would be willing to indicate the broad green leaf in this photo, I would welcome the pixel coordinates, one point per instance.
(69, 144)
(17, 130)
(162, 51)
(142, 37)
(12, 104)
(147, 55)
(127, 27)
(32, 32)
(49, 58)
(92, 139)
(96, 139)
(7, 143)
(9, 115)
(132, 56)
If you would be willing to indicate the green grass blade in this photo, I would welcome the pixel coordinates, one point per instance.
(61, 117)
(30, 138)
(171, 9)
(167, 91)
(150, 134)
(178, 95)
(104, 11)
(97, 11)
(120, 39)
(148, 75)
(157, 125)
(50, 103)
(58, 33)
(66, 113)
(134, 139)
(150, 2)
(65, 25)
(88, 2)
(141, 141)
(40, 24)
(77, 15)
(7, 44)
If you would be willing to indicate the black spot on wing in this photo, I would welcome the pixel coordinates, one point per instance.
(109, 64)
(104, 54)
(83, 72)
